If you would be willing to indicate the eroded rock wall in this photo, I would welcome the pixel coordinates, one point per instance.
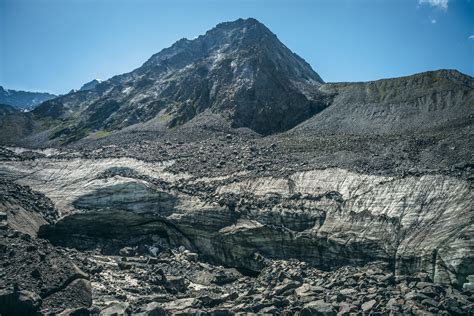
(327, 217)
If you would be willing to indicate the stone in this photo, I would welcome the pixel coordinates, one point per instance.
(429, 302)
(77, 294)
(415, 296)
(319, 308)
(269, 310)
(127, 251)
(344, 309)
(392, 304)
(430, 291)
(81, 311)
(175, 284)
(191, 256)
(367, 306)
(348, 292)
(115, 309)
(153, 309)
(285, 287)
(123, 265)
(388, 279)
(422, 285)
(308, 290)
(181, 304)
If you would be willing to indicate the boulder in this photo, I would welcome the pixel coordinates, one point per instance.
(115, 309)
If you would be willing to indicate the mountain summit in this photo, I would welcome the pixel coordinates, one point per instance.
(233, 40)
(239, 70)
(90, 85)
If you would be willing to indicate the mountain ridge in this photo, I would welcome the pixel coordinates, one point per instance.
(420, 102)
(233, 69)
(238, 70)
(23, 100)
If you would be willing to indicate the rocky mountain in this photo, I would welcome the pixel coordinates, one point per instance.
(7, 109)
(225, 176)
(239, 70)
(23, 100)
(427, 101)
(90, 85)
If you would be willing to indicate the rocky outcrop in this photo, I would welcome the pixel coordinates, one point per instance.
(90, 85)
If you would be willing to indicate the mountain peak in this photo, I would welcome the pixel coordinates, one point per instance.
(238, 69)
(90, 85)
(239, 39)
(241, 24)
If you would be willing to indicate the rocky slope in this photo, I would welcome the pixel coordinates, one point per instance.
(422, 102)
(37, 277)
(7, 109)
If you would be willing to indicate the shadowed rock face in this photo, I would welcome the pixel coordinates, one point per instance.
(134, 197)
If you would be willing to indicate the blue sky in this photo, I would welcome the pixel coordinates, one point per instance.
(57, 45)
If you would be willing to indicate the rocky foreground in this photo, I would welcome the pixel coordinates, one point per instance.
(177, 282)
(126, 236)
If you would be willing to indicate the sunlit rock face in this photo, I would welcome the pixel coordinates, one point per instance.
(328, 217)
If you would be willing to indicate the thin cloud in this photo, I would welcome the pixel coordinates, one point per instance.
(433, 21)
(471, 37)
(441, 4)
